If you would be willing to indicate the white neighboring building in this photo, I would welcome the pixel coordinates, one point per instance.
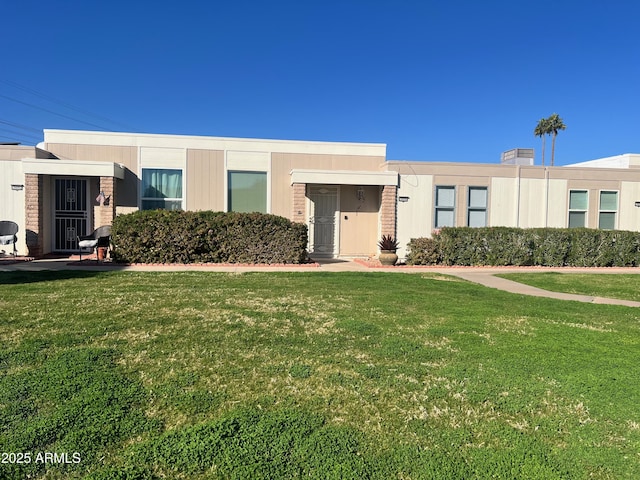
(626, 160)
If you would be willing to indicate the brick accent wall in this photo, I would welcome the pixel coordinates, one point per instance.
(299, 203)
(388, 210)
(104, 214)
(33, 186)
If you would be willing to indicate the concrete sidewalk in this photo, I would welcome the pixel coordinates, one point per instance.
(491, 281)
(485, 276)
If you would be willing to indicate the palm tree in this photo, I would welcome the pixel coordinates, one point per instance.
(542, 131)
(554, 126)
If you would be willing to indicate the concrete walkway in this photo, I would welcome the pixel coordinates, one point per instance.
(491, 281)
(485, 276)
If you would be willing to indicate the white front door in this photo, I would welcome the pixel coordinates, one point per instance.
(324, 220)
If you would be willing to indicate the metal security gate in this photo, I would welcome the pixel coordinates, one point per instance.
(71, 213)
(323, 222)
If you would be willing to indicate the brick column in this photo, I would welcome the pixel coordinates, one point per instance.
(388, 210)
(298, 203)
(34, 221)
(104, 214)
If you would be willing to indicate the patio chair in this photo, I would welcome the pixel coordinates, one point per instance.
(8, 236)
(100, 237)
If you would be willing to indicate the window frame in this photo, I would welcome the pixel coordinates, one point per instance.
(585, 211)
(471, 208)
(601, 210)
(444, 208)
(180, 199)
(230, 173)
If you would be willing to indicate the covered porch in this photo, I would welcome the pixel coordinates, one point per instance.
(346, 211)
(67, 198)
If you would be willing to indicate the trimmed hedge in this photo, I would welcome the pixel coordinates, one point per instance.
(552, 247)
(162, 236)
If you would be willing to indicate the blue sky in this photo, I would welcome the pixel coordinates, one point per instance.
(457, 80)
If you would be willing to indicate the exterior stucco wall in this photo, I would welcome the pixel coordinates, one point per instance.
(629, 216)
(518, 195)
(205, 188)
(503, 202)
(12, 202)
(557, 205)
(415, 212)
(127, 199)
(282, 163)
(207, 161)
(525, 197)
(532, 203)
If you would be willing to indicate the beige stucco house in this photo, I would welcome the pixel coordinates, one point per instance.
(341, 190)
(348, 194)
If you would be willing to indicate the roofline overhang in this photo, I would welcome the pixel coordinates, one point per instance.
(73, 168)
(344, 177)
(83, 137)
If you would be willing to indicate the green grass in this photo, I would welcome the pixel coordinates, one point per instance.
(198, 375)
(622, 286)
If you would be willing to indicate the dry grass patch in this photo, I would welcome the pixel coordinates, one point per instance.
(518, 325)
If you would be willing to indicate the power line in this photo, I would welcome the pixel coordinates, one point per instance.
(53, 113)
(23, 127)
(20, 135)
(26, 137)
(11, 139)
(64, 104)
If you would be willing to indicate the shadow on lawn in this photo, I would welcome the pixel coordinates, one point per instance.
(21, 277)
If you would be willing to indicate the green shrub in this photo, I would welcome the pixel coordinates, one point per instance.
(423, 251)
(551, 246)
(554, 247)
(161, 236)
(625, 248)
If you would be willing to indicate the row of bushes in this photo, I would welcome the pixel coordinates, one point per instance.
(554, 247)
(161, 236)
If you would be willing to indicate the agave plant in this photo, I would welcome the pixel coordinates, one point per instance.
(388, 242)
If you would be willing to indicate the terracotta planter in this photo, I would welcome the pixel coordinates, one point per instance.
(388, 257)
(102, 253)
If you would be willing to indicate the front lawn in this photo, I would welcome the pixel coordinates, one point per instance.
(196, 375)
(623, 286)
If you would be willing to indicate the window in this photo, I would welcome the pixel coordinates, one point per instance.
(578, 201)
(161, 189)
(608, 210)
(477, 207)
(247, 192)
(445, 206)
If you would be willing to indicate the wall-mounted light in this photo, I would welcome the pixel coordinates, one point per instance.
(403, 199)
(17, 187)
(637, 204)
(360, 194)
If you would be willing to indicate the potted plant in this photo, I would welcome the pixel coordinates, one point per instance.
(102, 248)
(388, 246)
